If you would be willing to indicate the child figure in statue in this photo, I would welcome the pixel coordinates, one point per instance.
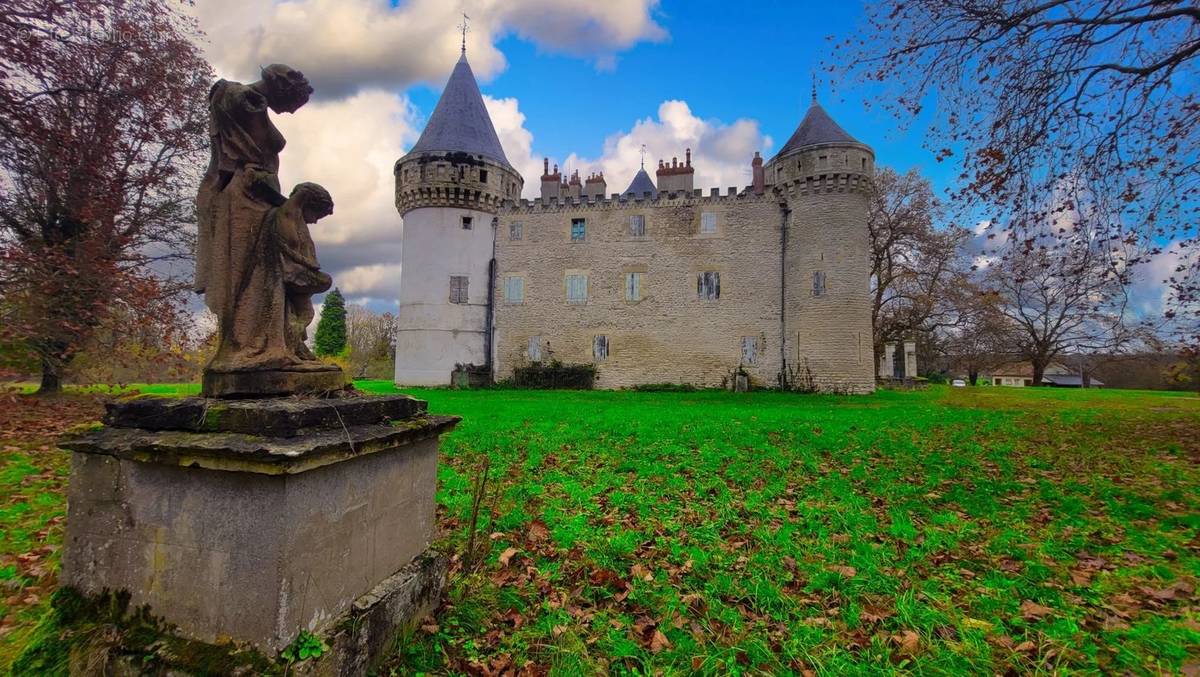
(302, 276)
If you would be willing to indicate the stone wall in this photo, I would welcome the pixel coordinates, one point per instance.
(670, 335)
(829, 333)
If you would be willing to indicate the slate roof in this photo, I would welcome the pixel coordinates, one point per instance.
(642, 183)
(816, 128)
(460, 121)
(1071, 381)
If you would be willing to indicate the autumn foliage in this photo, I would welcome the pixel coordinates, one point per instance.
(102, 130)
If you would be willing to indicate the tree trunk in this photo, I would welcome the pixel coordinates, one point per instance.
(51, 377)
(973, 377)
(1039, 370)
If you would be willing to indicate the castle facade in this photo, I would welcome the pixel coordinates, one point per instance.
(660, 283)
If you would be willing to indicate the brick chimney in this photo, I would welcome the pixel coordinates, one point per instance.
(759, 177)
(551, 182)
(574, 186)
(676, 177)
(595, 186)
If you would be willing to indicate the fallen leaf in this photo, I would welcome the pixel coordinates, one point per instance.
(907, 642)
(640, 572)
(1032, 611)
(506, 556)
(659, 642)
(844, 571)
(1025, 647)
(538, 531)
(976, 624)
(558, 630)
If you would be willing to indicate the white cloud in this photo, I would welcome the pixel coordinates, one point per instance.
(375, 281)
(517, 141)
(349, 147)
(721, 153)
(347, 45)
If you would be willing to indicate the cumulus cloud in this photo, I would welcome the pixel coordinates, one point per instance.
(721, 152)
(517, 141)
(347, 45)
(349, 147)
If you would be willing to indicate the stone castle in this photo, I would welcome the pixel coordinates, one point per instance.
(660, 283)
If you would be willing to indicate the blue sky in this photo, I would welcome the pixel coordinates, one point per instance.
(586, 83)
(717, 57)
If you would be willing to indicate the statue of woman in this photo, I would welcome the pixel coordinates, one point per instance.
(252, 239)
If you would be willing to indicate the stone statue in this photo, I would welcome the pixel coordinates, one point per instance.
(255, 260)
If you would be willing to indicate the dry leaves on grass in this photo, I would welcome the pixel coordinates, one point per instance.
(647, 632)
(1032, 611)
(907, 642)
(506, 556)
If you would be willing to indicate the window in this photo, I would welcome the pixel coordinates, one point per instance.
(818, 288)
(458, 289)
(708, 222)
(749, 350)
(633, 286)
(534, 351)
(864, 163)
(483, 176)
(514, 230)
(576, 288)
(514, 289)
(823, 162)
(637, 225)
(708, 285)
(467, 222)
(600, 348)
(578, 230)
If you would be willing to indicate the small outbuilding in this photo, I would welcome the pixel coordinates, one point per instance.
(1020, 374)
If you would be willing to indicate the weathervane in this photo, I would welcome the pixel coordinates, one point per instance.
(464, 28)
(643, 156)
(814, 86)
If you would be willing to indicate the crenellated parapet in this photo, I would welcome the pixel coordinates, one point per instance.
(845, 165)
(454, 179)
(622, 201)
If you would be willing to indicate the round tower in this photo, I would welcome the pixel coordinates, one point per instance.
(823, 178)
(449, 188)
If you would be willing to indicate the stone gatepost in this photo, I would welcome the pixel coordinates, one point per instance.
(910, 359)
(886, 363)
(253, 520)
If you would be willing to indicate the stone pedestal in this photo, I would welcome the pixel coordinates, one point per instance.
(252, 520)
(313, 380)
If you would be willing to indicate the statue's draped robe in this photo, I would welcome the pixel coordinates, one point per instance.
(239, 266)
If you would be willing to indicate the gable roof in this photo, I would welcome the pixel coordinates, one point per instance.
(816, 128)
(460, 121)
(642, 183)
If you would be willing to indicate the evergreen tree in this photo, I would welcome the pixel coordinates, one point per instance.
(330, 338)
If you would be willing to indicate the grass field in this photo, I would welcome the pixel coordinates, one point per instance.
(964, 531)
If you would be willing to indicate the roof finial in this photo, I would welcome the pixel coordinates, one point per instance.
(643, 156)
(814, 86)
(464, 28)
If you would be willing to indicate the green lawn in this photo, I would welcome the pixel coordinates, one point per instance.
(967, 531)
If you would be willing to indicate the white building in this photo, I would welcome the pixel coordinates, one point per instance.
(448, 189)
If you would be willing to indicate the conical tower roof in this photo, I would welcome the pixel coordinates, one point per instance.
(641, 184)
(816, 128)
(460, 122)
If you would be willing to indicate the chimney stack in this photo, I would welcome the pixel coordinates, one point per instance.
(759, 177)
(551, 182)
(676, 177)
